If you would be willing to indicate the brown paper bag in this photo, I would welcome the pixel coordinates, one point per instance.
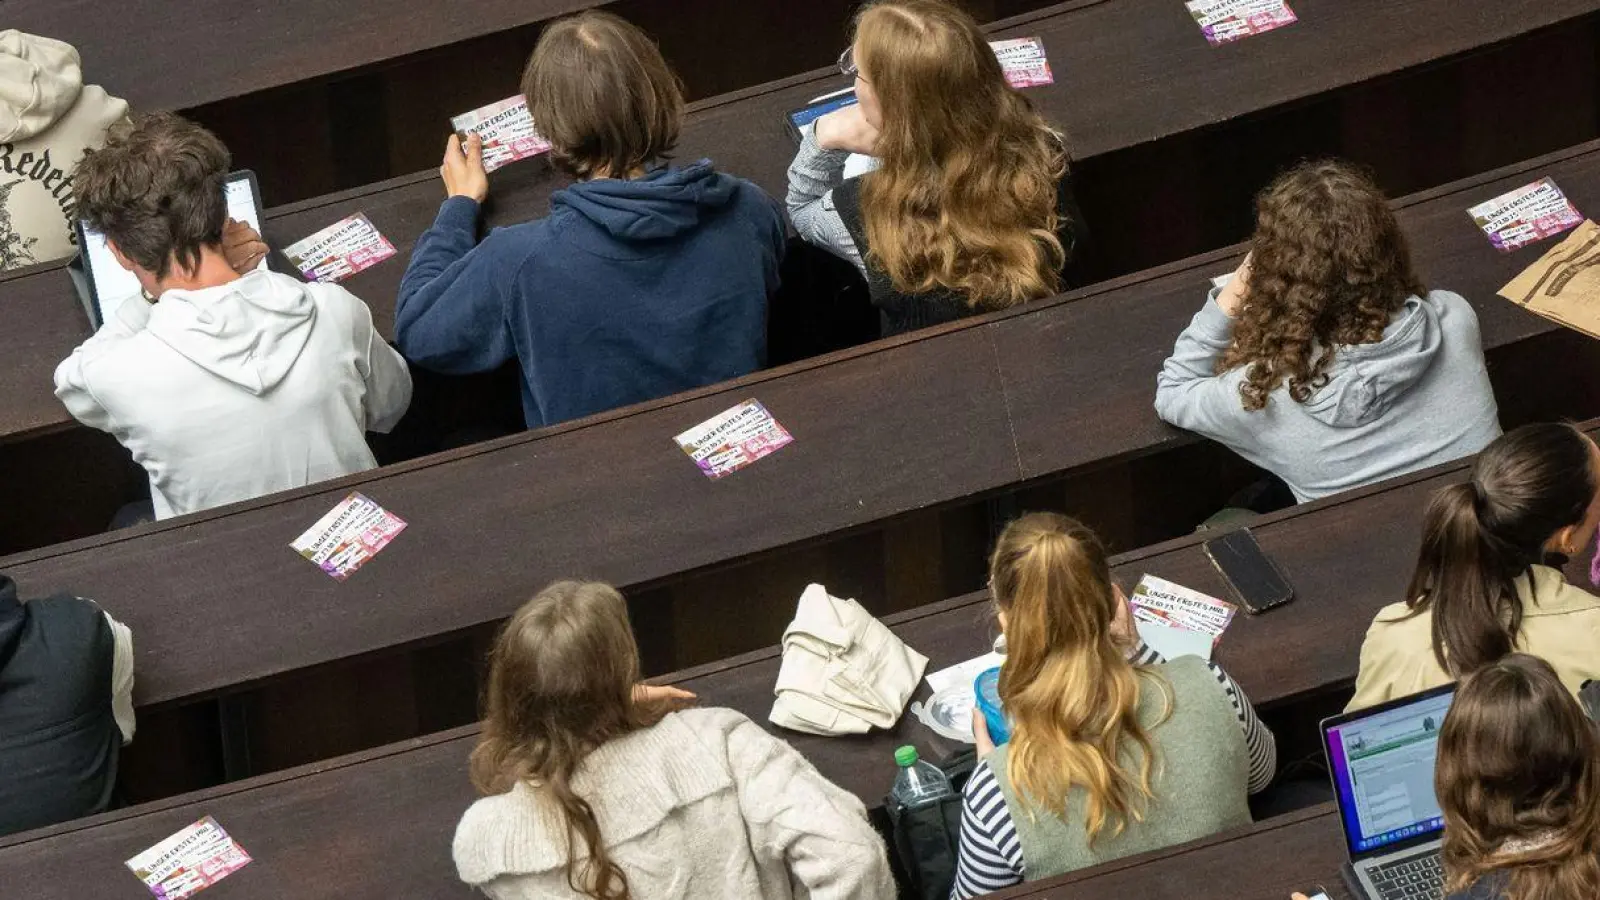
(1564, 285)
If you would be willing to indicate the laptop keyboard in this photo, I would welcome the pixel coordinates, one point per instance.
(1417, 877)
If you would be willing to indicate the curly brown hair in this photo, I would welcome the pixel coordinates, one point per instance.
(1329, 268)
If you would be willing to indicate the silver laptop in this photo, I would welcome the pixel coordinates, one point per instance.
(1382, 762)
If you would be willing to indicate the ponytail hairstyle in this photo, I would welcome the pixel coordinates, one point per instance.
(1479, 537)
(965, 197)
(1068, 688)
(561, 679)
(1517, 781)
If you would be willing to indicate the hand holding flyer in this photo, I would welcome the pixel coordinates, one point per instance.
(1225, 21)
(342, 249)
(506, 129)
(735, 439)
(1177, 613)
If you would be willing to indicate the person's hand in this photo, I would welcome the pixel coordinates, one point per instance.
(1232, 296)
(1124, 631)
(463, 171)
(980, 733)
(242, 246)
(661, 693)
(847, 129)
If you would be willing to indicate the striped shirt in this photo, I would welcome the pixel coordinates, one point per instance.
(991, 853)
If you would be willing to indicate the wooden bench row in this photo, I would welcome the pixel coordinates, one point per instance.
(378, 824)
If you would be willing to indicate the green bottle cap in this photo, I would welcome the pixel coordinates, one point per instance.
(906, 756)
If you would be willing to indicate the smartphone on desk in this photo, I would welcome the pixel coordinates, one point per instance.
(1253, 578)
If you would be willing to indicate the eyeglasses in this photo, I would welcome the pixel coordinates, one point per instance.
(847, 62)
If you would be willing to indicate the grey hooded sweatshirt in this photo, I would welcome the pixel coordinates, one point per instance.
(1416, 398)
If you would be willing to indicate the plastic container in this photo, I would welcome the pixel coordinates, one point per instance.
(918, 783)
(987, 687)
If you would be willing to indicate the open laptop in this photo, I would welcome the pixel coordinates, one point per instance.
(107, 284)
(1382, 762)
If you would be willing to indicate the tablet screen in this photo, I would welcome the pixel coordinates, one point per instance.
(113, 284)
(821, 107)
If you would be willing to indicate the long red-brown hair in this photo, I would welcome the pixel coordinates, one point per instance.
(965, 198)
(561, 681)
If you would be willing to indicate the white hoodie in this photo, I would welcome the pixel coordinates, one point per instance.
(227, 393)
(48, 118)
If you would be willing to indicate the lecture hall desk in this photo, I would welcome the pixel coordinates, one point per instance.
(378, 824)
(1128, 72)
(899, 426)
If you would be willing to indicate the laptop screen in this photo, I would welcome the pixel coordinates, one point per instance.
(113, 284)
(1382, 765)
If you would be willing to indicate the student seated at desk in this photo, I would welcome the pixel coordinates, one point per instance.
(644, 280)
(223, 386)
(1488, 580)
(1114, 751)
(66, 708)
(1518, 783)
(48, 118)
(1324, 360)
(970, 208)
(595, 787)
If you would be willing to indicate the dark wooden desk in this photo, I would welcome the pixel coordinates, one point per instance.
(1128, 72)
(881, 431)
(362, 825)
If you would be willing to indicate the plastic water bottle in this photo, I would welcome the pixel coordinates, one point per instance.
(918, 783)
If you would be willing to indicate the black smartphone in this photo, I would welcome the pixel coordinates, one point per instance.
(1254, 579)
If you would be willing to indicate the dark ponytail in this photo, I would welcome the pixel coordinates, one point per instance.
(1478, 538)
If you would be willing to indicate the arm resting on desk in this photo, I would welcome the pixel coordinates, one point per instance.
(1189, 392)
(813, 175)
(451, 313)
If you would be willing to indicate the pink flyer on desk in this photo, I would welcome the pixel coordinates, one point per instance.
(1023, 61)
(1225, 21)
(344, 248)
(349, 535)
(1528, 214)
(190, 861)
(735, 439)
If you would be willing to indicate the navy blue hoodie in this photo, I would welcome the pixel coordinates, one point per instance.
(629, 290)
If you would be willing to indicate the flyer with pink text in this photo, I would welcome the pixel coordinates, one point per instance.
(349, 535)
(342, 249)
(506, 129)
(190, 861)
(1225, 21)
(727, 443)
(1024, 62)
(1530, 213)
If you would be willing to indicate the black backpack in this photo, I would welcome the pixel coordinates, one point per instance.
(926, 838)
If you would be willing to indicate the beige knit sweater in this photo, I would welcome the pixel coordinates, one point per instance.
(705, 804)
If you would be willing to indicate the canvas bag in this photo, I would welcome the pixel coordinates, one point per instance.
(843, 671)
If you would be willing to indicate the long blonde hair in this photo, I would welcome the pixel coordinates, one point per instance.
(561, 680)
(965, 198)
(1069, 690)
(1518, 780)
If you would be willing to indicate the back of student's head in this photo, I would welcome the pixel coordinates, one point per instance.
(1517, 782)
(1330, 266)
(966, 195)
(599, 90)
(1067, 687)
(561, 680)
(155, 190)
(1531, 486)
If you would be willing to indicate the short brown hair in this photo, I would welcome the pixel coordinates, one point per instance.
(602, 95)
(1329, 267)
(156, 190)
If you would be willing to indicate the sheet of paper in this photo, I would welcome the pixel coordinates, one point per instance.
(342, 249)
(506, 129)
(1024, 62)
(1162, 602)
(349, 535)
(728, 442)
(1530, 213)
(1173, 642)
(963, 672)
(1225, 21)
(1564, 285)
(190, 861)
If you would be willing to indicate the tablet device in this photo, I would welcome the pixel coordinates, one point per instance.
(816, 109)
(108, 284)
